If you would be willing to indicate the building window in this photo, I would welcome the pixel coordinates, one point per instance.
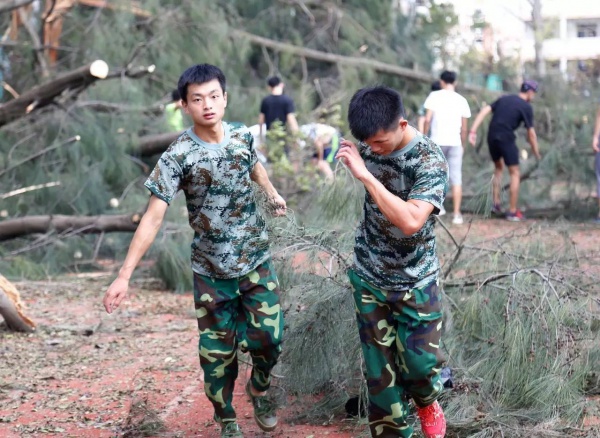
(587, 30)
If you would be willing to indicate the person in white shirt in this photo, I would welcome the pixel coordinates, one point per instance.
(447, 114)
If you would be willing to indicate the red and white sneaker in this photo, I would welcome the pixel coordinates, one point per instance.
(433, 422)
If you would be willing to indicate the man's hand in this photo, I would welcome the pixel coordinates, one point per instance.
(350, 156)
(115, 294)
(279, 205)
(595, 144)
(537, 154)
(473, 138)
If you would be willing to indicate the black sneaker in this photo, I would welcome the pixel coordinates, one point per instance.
(264, 410)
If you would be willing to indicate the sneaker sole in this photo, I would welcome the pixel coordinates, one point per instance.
(259, 423)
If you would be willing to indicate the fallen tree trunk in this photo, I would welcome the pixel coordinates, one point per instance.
(333, 58)
(78, 79)
(155, 144)
(12, 228)
(11, 308)
(44, 94)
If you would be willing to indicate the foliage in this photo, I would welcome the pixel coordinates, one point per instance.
(519, 299)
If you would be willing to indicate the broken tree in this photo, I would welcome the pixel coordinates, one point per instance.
(11, 308)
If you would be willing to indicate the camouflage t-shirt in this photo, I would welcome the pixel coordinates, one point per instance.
(383, 255)
(230, 235)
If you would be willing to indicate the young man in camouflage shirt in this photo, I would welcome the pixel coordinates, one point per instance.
(235, 287)
(395, 269)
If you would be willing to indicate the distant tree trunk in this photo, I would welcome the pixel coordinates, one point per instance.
(12, 228)
(538, 32)
(333, 58)
(11, 308)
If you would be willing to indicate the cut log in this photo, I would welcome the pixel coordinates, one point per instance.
(11, 308)
(155, 144)
(12, 228)
(44, 94)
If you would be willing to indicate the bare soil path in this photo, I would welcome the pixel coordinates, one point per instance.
(84, 373)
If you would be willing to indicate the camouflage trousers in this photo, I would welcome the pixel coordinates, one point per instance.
(400, 337)
(242, 312)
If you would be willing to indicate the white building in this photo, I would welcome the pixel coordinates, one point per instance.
(572, 30)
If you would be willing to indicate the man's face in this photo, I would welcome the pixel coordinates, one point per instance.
(386, 142)
(206, 103)
(530, 95)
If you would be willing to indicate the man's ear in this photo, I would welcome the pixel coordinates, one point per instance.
(184, 105)
(225, 98)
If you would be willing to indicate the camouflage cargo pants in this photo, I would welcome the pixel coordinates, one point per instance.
(242, 311)
(400, 337)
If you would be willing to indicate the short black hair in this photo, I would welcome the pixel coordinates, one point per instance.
(175, 96)
(448, 76)
(273, 81)
(436, 86)
(373, 109)
(199, 74)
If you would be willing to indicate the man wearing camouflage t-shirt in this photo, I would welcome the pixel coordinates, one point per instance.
(235, 287)
(395, 269)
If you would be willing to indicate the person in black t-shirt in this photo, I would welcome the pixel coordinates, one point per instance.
(277, 106)
(508, 114)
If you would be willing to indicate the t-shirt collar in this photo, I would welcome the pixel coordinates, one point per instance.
(411, 144)
(215, 146)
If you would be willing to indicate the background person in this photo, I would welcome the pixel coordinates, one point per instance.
(326, 142)
(174, 112)
(447, 115)
(508, 114)
(277, 106)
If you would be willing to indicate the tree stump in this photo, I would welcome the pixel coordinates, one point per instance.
(11, 308)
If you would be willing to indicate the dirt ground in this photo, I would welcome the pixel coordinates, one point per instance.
(84, 373)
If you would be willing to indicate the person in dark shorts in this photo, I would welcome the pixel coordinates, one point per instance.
(277, 107)
(508, 114)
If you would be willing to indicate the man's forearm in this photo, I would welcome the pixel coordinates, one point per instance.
(426, 126)
(292, 123)
(479, 119)
(398, 212)
(532, 139)
(142, 240)
(597, 125)
(260, 176)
